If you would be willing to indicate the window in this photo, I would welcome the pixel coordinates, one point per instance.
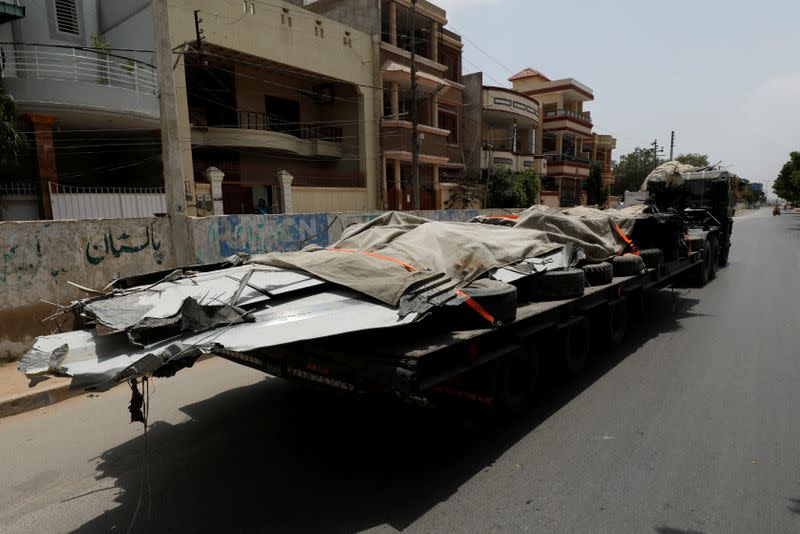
(67, 17)
(448, 120)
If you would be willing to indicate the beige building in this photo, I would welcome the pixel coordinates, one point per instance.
(282, 101)
(501, 127)
(568, 142)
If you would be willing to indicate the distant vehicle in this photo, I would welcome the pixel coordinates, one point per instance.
(776, 210)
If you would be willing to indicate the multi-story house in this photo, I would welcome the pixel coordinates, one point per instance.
(439, 94)
(87, 102)
(567, 139)
(281, 100)
(501, 127)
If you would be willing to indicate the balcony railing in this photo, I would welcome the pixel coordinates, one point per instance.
(585, 117)
(256, 120)
(555, 159)
(87, 65)
(19, 189)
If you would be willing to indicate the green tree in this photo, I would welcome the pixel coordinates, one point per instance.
(631, 169)
(751, 197)
(596, 193)
(512, 189)
(787, 185)
(695, 159)
(12, 144)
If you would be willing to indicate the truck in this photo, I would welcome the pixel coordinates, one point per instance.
(483, 349)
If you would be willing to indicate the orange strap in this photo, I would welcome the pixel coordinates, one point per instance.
(501, 216)
(406, 266)
(480, 310)
(628, 240)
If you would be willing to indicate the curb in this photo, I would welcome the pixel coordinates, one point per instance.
(40, 397)
(28, 401)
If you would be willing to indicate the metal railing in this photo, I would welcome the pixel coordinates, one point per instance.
(567, 158)
(585, 117)
(74, 202)
(256, 120)
(86, 65)
(19, 189)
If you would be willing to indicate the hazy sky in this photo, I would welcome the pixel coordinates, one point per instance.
(725, 75)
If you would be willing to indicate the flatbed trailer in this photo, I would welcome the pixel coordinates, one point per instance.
(428, 363)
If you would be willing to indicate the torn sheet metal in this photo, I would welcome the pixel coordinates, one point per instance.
(102, 361)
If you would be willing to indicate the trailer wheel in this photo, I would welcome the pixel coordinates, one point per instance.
(617, 322)
(627, 265)
(653, 258)
(515, 377)
(723, 256)
(577, 340)
(598, 274)
(714, 259)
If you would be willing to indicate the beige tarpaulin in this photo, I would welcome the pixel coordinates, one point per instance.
(388, 255)
(670, 172)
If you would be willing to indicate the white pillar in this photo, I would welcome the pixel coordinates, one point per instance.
(392, 23)
(435, 111)
(285, 183)
(395, 100)
(215, 176)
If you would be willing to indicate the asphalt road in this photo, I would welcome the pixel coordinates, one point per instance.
(692, 426)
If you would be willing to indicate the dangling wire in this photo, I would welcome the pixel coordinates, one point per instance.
(140, 412)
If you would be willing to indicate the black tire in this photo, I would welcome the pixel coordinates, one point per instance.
(577, 341)
(497, 298)
(703, 268)
(722, 261)
(553, 285)
(627, 265)
(617, 322)
(599, 274)
(515, 379)
(653, 258)
(714, 258)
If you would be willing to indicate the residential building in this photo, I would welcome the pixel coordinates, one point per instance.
(276, 104)
(501, 127)
(89, 110)
(568, 142)
(439, 94)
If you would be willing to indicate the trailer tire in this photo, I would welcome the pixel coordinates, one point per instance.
(723, 256)
(617, 322)
(497, 298)
(714, 260)
(554, 285)
(627, 265)
(577, 340)
(653, 258)
(515, 378)
(598, 274)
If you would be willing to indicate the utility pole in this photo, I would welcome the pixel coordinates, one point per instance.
(414, 119)
(199, 33)
(656, 151)
(170, 144)
(672, 145)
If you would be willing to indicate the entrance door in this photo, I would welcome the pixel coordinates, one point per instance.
(237, 199)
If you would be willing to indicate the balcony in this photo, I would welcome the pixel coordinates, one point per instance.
(255, 129)
(566, 113)
(397, 142)
(71, 81)
(567, 165)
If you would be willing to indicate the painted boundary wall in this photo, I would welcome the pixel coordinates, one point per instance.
(38, 258)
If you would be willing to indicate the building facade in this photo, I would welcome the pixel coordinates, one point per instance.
(501, 127)
(89, 110)
(276, 104)
(568, 142)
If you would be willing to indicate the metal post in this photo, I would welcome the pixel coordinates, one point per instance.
(671, 145)
(414, 119)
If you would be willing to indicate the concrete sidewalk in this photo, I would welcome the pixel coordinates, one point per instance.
(17, 397)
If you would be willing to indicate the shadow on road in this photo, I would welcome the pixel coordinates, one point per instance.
(668, 530)
(280, 457)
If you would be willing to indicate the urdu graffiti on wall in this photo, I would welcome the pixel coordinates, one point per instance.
(253, 234)
(21, 262)
(97, 251)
